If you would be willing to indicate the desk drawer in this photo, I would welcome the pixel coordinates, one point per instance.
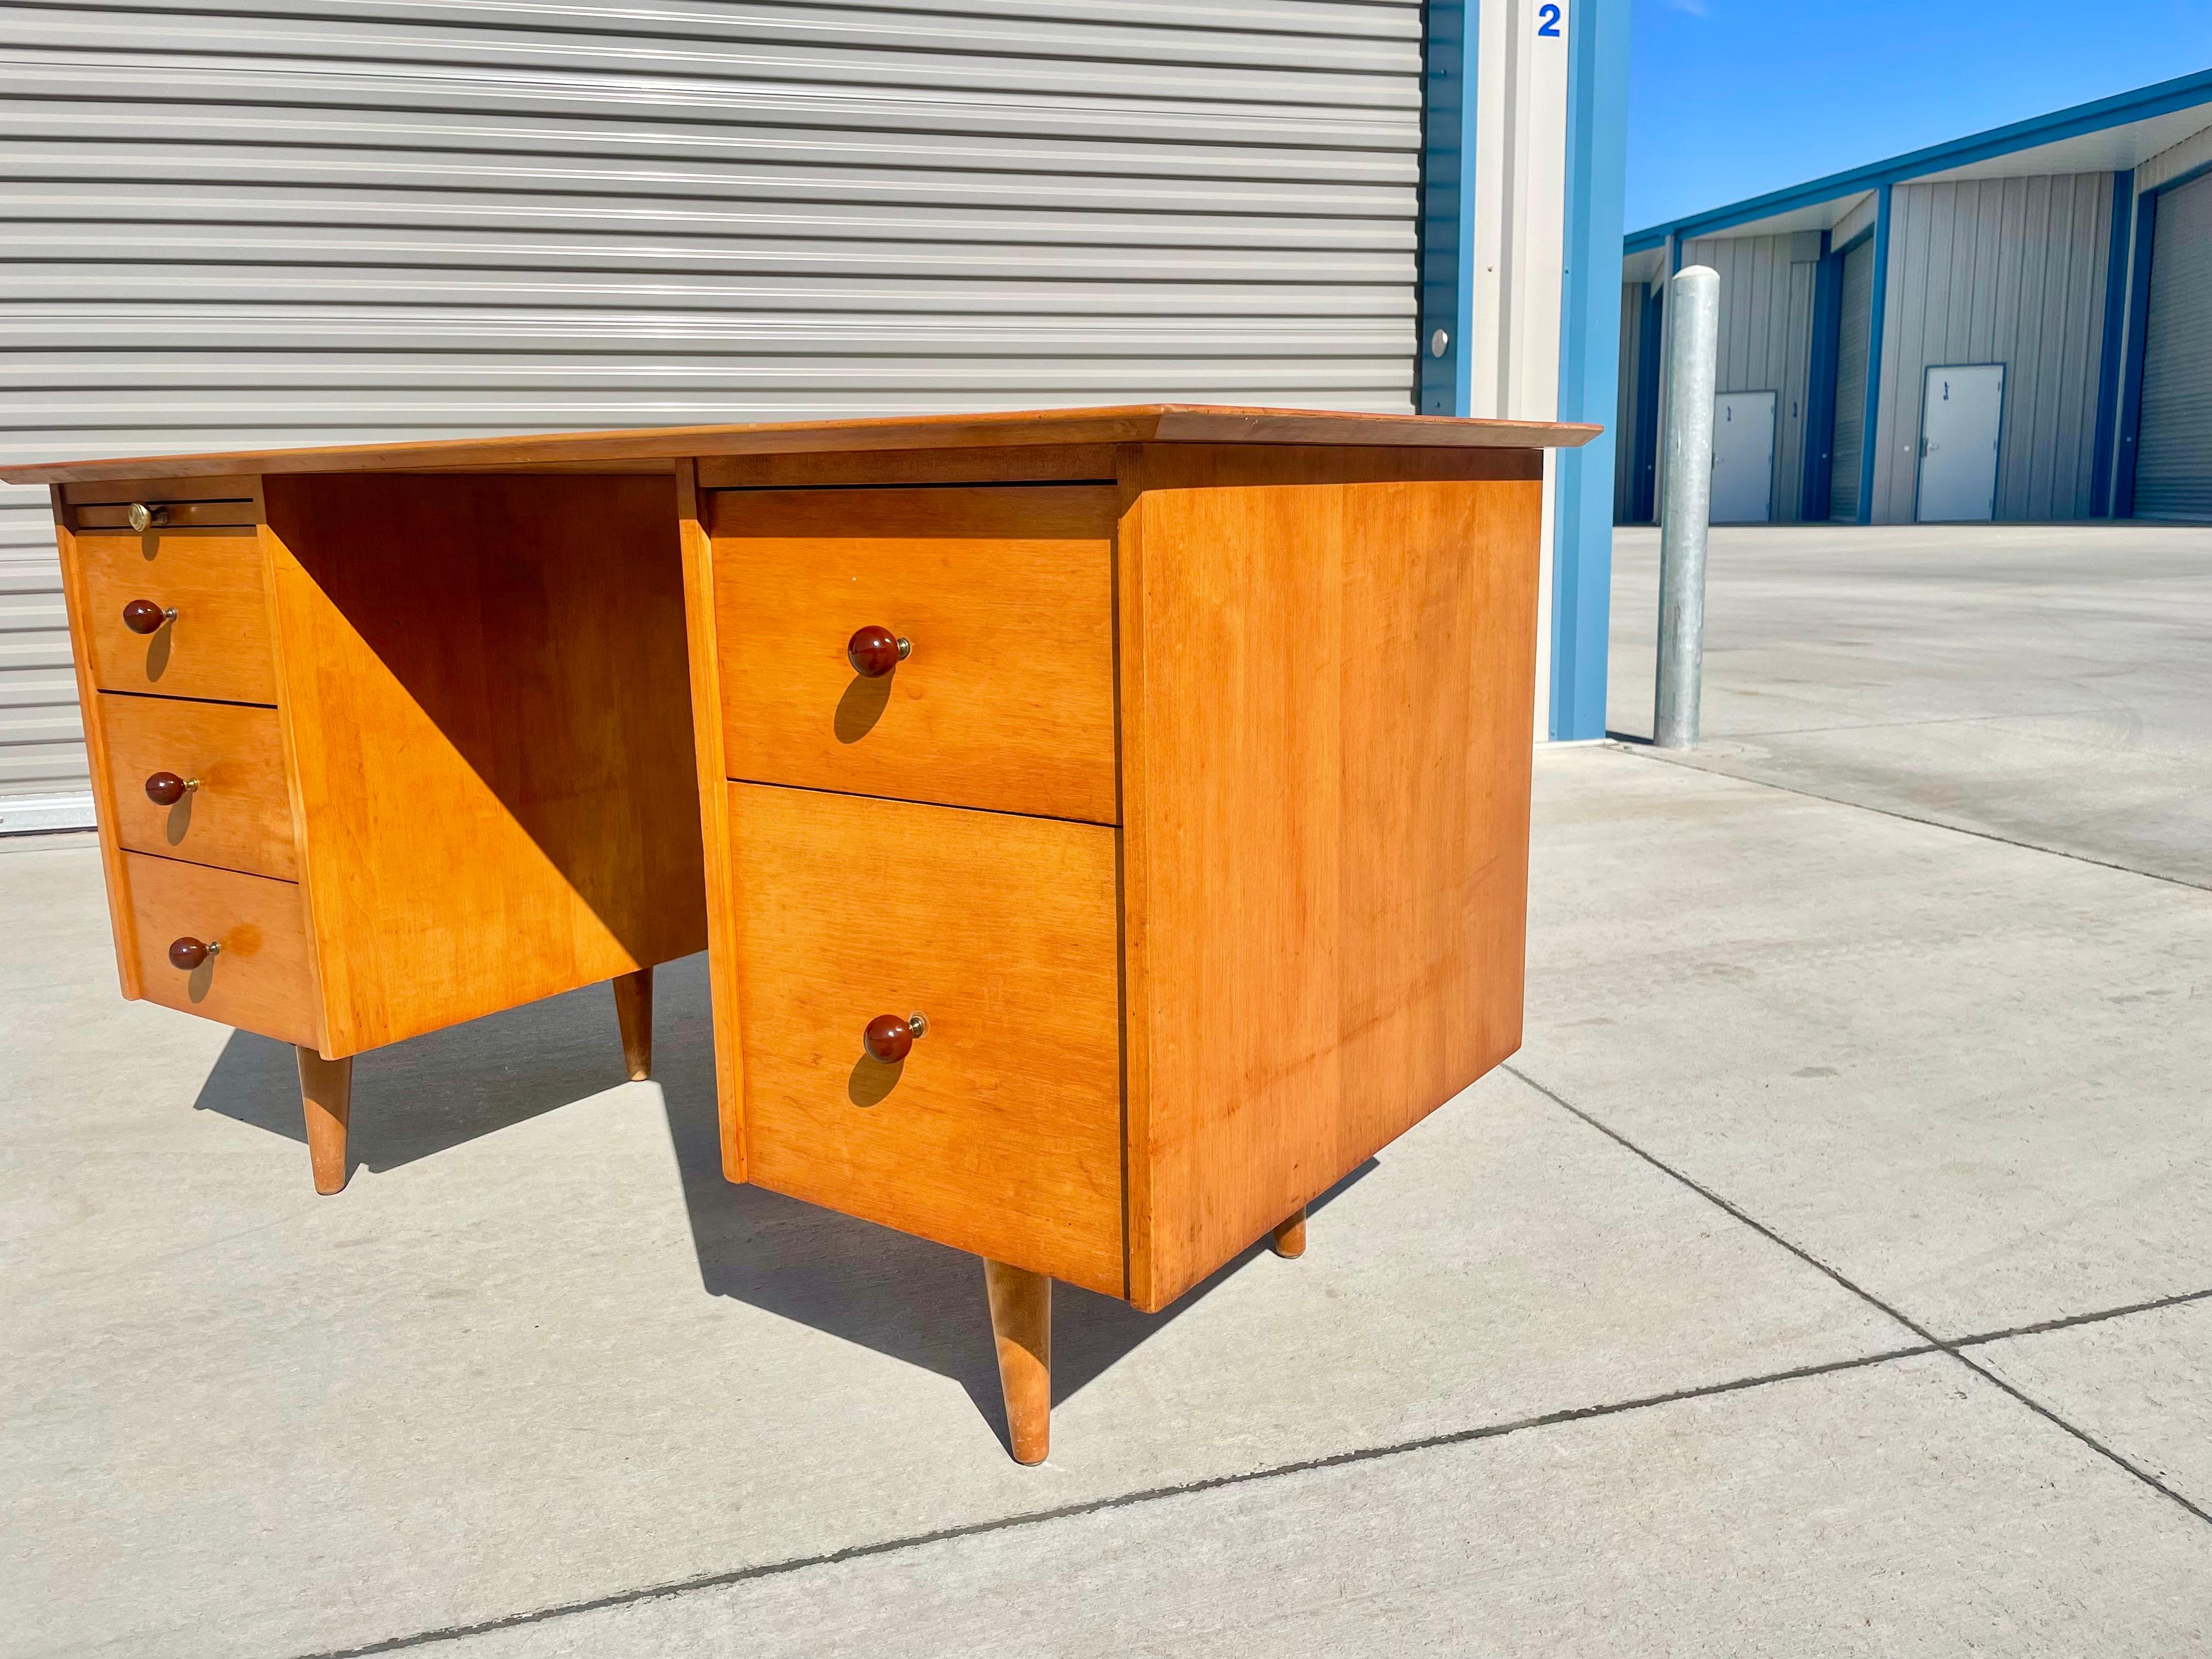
(217, 644)
(1000, 1132)
(231, 498)
(260, 981)
(1005, 591)
(240, 814)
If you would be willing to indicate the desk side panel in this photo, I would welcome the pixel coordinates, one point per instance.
(488, 713)
(75, 600)
(713, 773)
(1327, 674)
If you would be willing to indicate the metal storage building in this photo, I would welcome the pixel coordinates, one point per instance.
(2016, 324)
(235, 223)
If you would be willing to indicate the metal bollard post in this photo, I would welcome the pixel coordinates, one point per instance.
(1694, 301)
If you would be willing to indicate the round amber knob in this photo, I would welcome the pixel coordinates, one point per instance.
(188, 953)
(890, 1039)
(143, 616)
(166, 788)
(874, 652)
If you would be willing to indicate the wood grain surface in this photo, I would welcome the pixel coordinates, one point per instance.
(1001, 1132)
(121, 491)
(104, 804)
(1128, 423)
(488, 720)
(706, 675)
(217, 647)
(1006, 592)
(260, 982)
(240, 818)
(1021, 1330)
(1014, 464)
(1327, 702)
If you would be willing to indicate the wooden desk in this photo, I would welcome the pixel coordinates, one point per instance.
(1114, 821)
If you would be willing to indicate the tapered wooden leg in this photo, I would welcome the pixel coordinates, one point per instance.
(634, 1013)
(1021, 1325)
(1290, 1239)
(326, 1098)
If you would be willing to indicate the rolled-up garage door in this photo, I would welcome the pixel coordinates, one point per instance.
(233, 223)
(2173, 447)
(1854, 333)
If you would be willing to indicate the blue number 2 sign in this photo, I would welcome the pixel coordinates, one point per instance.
(1547, 21)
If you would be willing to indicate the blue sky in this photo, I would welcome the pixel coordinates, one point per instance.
(1728, 98)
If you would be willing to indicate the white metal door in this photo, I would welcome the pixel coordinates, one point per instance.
(1959, 410)
(1743, 458)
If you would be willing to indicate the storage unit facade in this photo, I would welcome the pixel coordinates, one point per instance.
(1985, 331)
(355, 227)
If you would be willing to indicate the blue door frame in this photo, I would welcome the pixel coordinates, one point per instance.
(1814, 501)
(1589, 363)
(2109, 358)
(1447, 256)
(1644, 486)
(1595, 38)
(2124, 481)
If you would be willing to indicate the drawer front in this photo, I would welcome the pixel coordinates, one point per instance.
(1006, 700)
(217, 645)
(240, 814)
(117, 515)
(260, 981)
(1000, 1132)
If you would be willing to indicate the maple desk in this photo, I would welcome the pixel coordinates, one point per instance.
(1114, 821)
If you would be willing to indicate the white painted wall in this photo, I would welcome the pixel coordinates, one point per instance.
(1520, 246)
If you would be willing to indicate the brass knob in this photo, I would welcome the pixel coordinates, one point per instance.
(143, 517)
(166, 788)
(145, 616)
(188, 953)
(874, 650)
(890, 1039)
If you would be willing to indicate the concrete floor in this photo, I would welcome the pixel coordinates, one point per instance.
(2044, 683)
(1831, 1273)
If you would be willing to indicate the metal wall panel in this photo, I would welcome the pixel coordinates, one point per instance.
(1765, 340)
(42, 765)
(1854, 329)
(1857, 220)
(2000, 270)
(2173, 451)
(234, 224)
(2170, 163)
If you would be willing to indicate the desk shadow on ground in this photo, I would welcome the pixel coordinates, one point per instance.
(420, 1098)
(902, 1297)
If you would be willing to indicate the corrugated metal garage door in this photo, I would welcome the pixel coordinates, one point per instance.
(232, 226)
(1856, 324)
(2173, 448)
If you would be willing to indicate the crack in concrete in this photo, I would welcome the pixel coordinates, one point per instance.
(1952, 1347)
(1928, 1343)
(1120, 1501)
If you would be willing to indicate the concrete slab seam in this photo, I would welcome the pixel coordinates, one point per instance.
(2067, 1321)
(1952, 1347)
(1124, 1500)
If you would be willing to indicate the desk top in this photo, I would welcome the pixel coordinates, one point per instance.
(653, 448)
